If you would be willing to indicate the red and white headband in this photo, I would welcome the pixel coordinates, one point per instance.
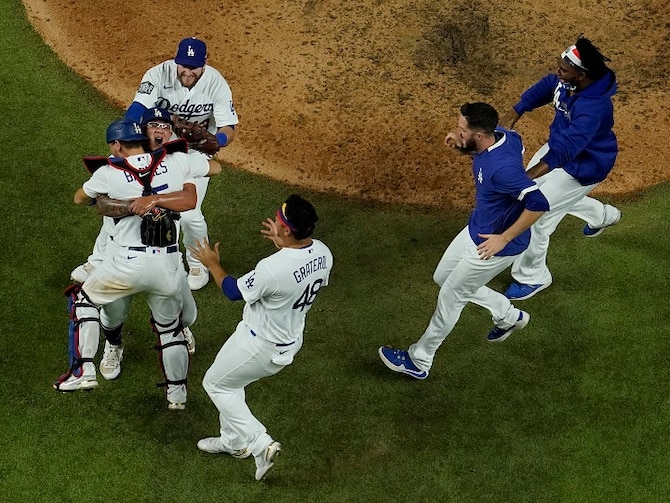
(571, 55)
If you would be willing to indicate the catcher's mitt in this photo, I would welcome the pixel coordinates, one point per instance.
(196, 135)
(159, 228)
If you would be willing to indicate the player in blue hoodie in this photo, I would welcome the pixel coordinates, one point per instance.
(581, 151)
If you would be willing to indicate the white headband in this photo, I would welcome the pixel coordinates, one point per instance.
(571, 54)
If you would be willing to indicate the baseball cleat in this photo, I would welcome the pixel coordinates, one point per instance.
(614, 218)
(518, 291)
(110, 363)
(398, 360)
(267, 459)
(176, 405)
(82, 272)
(198, 277)
(500, 334)
(214, 445)
(190, 340)
(73, 383)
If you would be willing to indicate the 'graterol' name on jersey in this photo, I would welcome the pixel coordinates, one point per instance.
(310, 267)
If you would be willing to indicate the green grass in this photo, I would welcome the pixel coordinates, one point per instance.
(573, 409)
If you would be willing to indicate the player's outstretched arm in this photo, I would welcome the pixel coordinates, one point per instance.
(210, 258)
(509, 119)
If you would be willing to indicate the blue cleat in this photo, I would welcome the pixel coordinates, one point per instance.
(518, 291)
(614, 217)
(399, 361)
(500, 334)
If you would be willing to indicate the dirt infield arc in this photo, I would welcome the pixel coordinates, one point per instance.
(356, 97)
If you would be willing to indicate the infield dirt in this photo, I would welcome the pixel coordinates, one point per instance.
(356, 96)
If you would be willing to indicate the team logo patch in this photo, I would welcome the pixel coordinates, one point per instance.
(146, 88)
(250, 282)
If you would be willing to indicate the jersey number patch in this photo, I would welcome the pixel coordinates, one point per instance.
(308, 296)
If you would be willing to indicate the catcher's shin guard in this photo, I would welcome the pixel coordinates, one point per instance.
(173, 358)
(83, 333)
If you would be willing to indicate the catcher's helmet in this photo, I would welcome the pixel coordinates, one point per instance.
(156, 114)
(124, 130)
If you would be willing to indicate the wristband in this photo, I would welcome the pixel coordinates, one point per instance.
(222, 138)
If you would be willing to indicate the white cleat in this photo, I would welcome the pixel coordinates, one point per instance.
(73, 383)
(110, 364)
(198, 277)
(190, 340)
(267, 459)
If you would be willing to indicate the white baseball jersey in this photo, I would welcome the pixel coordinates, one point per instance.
(209, 101)
(170, 176)
(281, 289)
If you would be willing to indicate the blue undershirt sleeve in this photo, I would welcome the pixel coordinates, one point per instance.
(229, 288)
(135, 111)
(535, 201)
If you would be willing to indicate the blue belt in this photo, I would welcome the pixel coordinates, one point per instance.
(169, 249)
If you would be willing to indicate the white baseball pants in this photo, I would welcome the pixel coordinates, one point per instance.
(462, 277)
(588, 209)
(193, 224)
(243, 359)
(563, 192)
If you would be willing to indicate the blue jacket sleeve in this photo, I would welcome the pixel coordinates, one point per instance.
(537, 95)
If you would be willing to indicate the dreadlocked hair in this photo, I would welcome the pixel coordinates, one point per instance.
(592, 58)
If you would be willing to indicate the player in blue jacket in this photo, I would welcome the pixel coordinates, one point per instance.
(507, 203)
(581, 151)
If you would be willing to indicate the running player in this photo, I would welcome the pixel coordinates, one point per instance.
(580, 153)
(507, 203)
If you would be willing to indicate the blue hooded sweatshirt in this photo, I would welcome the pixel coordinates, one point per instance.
(581, 140)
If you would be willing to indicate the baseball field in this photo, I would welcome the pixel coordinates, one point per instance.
(574, 408)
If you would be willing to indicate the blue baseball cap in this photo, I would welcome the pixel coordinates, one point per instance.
(191, 52)
(156, 114)
(124, 130)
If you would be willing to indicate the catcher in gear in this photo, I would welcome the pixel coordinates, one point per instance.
(130, 266)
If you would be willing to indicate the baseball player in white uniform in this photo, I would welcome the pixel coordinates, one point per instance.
(187, 87)
(131, 265)
(157, 126)
(278, 294)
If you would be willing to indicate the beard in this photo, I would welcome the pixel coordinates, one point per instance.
(470, 147)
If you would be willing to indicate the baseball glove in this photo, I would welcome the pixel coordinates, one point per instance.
(159, 228)
(196, 135)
